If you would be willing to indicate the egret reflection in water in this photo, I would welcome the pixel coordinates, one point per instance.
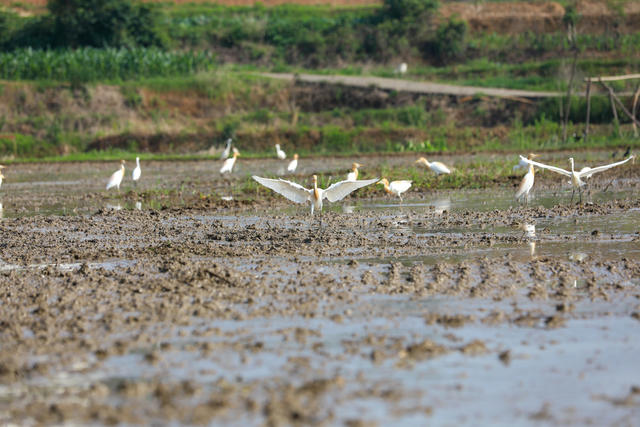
(442, 205)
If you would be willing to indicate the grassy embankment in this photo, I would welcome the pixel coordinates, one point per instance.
(196, 101)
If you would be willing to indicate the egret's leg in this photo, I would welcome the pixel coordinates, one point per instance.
(400, 198)
(609, 184)
(573, 192)
(312, 209)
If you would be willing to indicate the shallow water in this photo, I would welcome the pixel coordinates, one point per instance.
(319, 309)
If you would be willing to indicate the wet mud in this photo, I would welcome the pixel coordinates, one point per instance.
(251, 312)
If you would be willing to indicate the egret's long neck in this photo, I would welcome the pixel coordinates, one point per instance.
(386, 187)
(355, 171)
(316, 193)
(531, 169)
(137, 162)
(572, 170)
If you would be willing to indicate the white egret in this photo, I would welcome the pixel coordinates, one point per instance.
(437, 167)
(281, 154)
(395, 187)
(353, 175)
(227, 166)
(135, 175)
(116, 177)
(298, 194)
(401, 69)
(1, 175)
(523, 164)
(227, 151)
(293, 164)
(576, 177)
(525, 185)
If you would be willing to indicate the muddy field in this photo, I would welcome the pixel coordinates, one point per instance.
(162, 305)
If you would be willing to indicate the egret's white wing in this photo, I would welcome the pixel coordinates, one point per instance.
(115, 179)
(440, 167)
(292, 191)
(400, 186)
(227, 166)
(339, 190)
(602, 168)
(525, 185)
(543, 166)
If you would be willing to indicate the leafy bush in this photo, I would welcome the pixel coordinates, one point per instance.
(449, 42)
(100, 23)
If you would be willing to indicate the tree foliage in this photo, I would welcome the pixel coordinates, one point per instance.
(100, 23)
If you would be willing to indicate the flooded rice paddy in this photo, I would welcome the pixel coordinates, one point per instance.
(455, 308)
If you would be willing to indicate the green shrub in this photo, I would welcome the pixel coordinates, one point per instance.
(449, 43)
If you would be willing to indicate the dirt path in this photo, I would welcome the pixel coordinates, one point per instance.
(413, 86)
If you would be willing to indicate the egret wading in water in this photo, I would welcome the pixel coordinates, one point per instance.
(525, 186)
(227, 166)
(116, 177)
(395, 187)
(135, 175)
(522, 164)
(576, 177)
(353, 175)
(227, 151)
(1, 175)
(437, 167)
(293, 164)
(298, 194)
(281, 154)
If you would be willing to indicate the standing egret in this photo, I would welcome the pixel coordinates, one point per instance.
(523, 164)
(401, 69)
(1, 175)
(293, 164)
(437, 167)
(135, 175)
(525, 185)
(298, 194)
(576, 177)
(353, 175)
(227, 166)
(226, 151)
(116, 177)
(281, 154)
(395, 187)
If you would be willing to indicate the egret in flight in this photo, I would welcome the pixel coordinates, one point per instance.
(116, 177)
(293, 164)
(1, 175)
(298, 194)
(437, 167)
(227, 151)
(395, 187)
(135, 175)
(227, 166)
(353, 175)
(281, 154)
(525, 185)
(523, 164)
(576, 177)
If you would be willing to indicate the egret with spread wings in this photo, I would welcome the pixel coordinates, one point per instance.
(576, 177)
(298, 194)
